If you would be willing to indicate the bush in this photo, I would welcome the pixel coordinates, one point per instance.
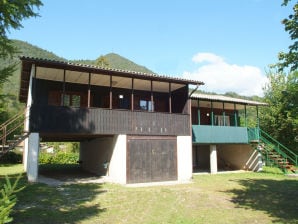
(11, 157)
(8, 199)
(58, 158)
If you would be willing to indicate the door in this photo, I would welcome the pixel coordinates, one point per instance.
(151, 159)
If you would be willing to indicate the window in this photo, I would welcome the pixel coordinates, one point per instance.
(71, 100)
(146, 105)
(221, 120)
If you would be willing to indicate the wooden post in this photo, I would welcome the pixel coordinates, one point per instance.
(245, 115)
(132, 92)
(224, 114)
(89, 91)
(170, 98)
(199, 113)
(63, 88)
(111, 94)
(235, 115)
(212, 114)
(151, 97)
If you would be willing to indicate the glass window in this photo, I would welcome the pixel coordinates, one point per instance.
(146, 105)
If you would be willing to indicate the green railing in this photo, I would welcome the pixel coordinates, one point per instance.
(279, 148)
(271, 144)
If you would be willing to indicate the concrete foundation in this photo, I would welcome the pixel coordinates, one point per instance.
(184, 158)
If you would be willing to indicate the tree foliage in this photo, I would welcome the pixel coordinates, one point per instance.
(12, 13)
(280, 119)
(290, 59)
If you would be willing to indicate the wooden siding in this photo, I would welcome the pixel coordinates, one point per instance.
(151, 159)
(68, 120)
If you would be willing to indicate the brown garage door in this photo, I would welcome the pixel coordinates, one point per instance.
(151, 159)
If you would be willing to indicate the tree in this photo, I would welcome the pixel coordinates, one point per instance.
(290, 59)
(280, 119)
(11, 14)
(102, 61)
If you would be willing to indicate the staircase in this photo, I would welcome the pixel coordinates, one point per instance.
(12, 133)
(273, 152)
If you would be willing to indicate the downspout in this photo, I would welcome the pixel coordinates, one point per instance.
(194, 90)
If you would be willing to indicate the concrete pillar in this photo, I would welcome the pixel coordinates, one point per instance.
(25, 154)
(184, 158)
(32, 159)
(213, 159)
(27, 116)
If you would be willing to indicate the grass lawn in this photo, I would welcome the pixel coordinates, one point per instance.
(222, 198)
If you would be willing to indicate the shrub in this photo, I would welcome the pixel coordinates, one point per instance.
(11, 157)
(8, 199)
(58, 158)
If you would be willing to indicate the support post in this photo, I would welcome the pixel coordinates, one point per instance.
(132, 95)
(32, 159)
(224, 114)
(63, 88)
(245, 115)
(111, 94)
(235, 115)
(199, 113)
(212, 114)
(89, 90)
(213, 159)
(151, 97)
(170, 98)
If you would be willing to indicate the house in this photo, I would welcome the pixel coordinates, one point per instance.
(220, 134)
(132, 126)
(135, 127)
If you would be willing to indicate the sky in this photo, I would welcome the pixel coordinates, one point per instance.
(227, 44)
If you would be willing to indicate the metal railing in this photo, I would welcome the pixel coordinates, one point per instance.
(257, 135)
(9, 127)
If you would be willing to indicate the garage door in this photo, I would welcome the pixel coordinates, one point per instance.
(151, 159)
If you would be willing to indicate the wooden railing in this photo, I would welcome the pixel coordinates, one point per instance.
(53, 119)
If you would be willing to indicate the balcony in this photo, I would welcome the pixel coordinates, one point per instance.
(57, 120)
(205, 134)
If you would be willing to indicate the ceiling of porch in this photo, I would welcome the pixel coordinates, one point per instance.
(96, 79)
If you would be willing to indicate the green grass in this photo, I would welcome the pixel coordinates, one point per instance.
(267, 197)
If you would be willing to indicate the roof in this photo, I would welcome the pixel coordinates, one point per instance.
(220, 98)
(74, 68)
(91, 68)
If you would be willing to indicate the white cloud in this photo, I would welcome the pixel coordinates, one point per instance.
(221, 77)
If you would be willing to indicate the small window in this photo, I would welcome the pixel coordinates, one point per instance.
(71, 100)
(75, 100)
(221, 120)
(146, 105)
(65, 100)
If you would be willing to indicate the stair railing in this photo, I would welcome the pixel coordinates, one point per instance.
(10, 126)
(279, 148)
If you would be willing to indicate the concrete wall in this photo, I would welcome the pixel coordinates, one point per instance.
(229, 157)
(237, 157)
(184, 158)
(105, 156)
(201, 157)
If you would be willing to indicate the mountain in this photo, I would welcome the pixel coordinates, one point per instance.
(118, 62)
(11, 88)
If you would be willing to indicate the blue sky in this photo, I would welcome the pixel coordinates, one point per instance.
(228, 44)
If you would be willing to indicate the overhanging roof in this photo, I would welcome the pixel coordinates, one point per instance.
(227, 99)
(78, 73)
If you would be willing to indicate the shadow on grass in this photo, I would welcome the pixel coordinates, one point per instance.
(40, 203)
(278, 198)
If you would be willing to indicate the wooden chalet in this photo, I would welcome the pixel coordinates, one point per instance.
(135, 127)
